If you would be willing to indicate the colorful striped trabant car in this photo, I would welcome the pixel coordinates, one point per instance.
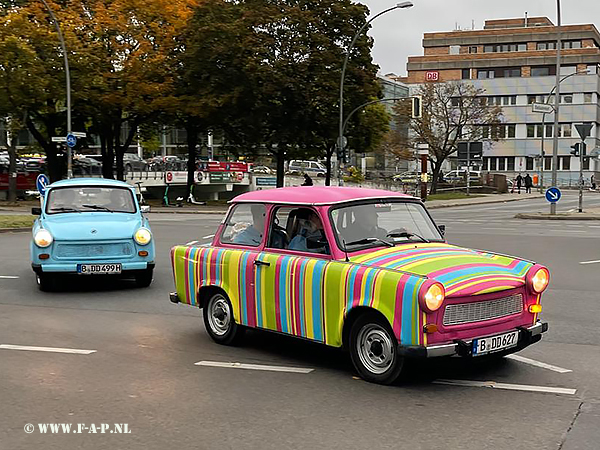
(360, 268)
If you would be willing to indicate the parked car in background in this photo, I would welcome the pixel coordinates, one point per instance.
(460, 176)
(91, 227)
(364, 269)
(132, 162)
(313, 168)
(261, 169)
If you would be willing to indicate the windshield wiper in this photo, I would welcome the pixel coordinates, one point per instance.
(102, 208)
(369, 240)
(407, 234)
(63, 209)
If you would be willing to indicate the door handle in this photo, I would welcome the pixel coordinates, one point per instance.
(258, 262)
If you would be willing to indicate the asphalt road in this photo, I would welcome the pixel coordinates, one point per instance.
(143, 370)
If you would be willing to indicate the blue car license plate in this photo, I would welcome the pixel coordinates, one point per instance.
(99, 269)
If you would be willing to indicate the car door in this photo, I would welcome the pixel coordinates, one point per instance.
(290, 283)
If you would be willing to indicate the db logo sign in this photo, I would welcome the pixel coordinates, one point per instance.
(169, 177)
(432, 76)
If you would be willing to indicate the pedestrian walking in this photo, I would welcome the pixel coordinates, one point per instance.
(307, 180)
(528, 183)
(593, 182)
(519, 182)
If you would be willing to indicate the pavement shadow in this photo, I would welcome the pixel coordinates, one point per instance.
(91, 283)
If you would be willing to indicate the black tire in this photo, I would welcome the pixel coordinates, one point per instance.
(45, 282)
(219, 322)
(380, 363)
(143, 278)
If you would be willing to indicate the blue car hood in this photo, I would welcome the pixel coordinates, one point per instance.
(81, 226)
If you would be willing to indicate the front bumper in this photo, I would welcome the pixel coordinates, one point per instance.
(71, 268)
(527, 336)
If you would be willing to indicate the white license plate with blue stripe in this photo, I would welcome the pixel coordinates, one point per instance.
(495, 343)
(99, 269)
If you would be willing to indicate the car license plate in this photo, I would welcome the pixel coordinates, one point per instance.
(495, 343)
(99, 269)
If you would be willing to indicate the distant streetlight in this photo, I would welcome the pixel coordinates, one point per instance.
(340, 142)
(68, 76)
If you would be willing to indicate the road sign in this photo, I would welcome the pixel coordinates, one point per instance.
(584, 130)
(71, 140)
(553, 194)
(79, 134)
(542, 108)
(59, 139)
(41, 182)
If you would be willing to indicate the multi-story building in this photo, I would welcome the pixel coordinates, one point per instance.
(514, 60)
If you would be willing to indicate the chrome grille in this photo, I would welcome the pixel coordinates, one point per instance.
(95, 251)
(480, 311)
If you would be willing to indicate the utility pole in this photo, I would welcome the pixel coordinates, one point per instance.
(468, 168)
(584, 131)
(556, 107)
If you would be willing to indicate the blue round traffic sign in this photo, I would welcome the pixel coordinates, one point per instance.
(553, 194)
(41, 182)
(71, 140)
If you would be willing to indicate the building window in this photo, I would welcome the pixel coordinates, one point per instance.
(482, 74)
(586, 164)
(592, 69)
(568, 70)
(466, 74)
(543, 71)
(549, 131)
(587, 98)
(512, 130)
(455, 101)
(566, 129)
(501, 164)
(528, 163)
(493, 163)
(547, 162)
(566, 98)
(505, 48)
(571, 44)
(566, 162)
(454, 49)
(530, 131)
(473, 49)
(510, 163)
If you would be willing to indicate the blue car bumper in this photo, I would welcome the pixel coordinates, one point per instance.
(72, 267)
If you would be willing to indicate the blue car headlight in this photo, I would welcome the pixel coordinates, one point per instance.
(142, 236)
(43, 238)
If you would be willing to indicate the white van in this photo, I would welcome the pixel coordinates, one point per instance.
(299, 167)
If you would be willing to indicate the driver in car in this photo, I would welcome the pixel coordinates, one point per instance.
(365, 224)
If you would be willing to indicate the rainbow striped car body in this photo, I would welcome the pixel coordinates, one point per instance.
(318, 296)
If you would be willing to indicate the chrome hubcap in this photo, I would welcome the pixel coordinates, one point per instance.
(219, 317)
(375, 349)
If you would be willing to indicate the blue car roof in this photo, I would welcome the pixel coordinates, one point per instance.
(89, 182)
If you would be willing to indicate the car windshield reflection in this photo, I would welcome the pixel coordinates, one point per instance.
(89, 199)
(382, 224)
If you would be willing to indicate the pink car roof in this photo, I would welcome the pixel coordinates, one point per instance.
(315, 195)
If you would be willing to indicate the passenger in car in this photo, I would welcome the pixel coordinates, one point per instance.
(311, 228)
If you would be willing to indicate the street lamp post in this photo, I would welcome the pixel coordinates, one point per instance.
(68, 76)
(556, 106)
(340, 142)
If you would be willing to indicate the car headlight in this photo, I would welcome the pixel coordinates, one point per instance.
(142, 236)
(43, 238)
(538, 279)
(431, 296)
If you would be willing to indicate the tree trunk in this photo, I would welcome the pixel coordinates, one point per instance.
(192, 142)
(56, 166)
(119, 150)
(108, 156)
(280, 155)
(436, 172)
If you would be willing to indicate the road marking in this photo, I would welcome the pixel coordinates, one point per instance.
(46, 349)
(511, 387)
(593, 226)
(571, 231)
(590, 262)
(191, 243)
(533, 362)
(236, 365)
(9, 277)
(502, 229)
(208, 237)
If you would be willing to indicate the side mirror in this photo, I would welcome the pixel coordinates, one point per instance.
(36, 211)
(442, 229)
(145, 208)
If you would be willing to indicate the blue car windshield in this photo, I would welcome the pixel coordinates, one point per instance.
(76, 199)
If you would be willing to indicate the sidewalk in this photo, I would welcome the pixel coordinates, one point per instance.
(483, 199)
(587, 214)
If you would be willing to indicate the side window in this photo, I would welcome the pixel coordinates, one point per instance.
(245, 226)
(304, 231)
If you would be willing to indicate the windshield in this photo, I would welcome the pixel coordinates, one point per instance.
(82, 198)
(377, 224)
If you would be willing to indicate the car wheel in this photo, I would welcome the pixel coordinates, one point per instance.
(373, 350)
(144, 278)
(45, 282)
(219, 321)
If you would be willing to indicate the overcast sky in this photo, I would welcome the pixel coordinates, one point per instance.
(399, 33)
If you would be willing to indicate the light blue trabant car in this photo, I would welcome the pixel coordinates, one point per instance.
(91, 226)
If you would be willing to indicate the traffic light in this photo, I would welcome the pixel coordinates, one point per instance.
(575, 151)
(417, 107)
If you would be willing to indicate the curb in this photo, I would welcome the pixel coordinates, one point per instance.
(211, 211)
(483, 202)
(557, 217)
(14, 230)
